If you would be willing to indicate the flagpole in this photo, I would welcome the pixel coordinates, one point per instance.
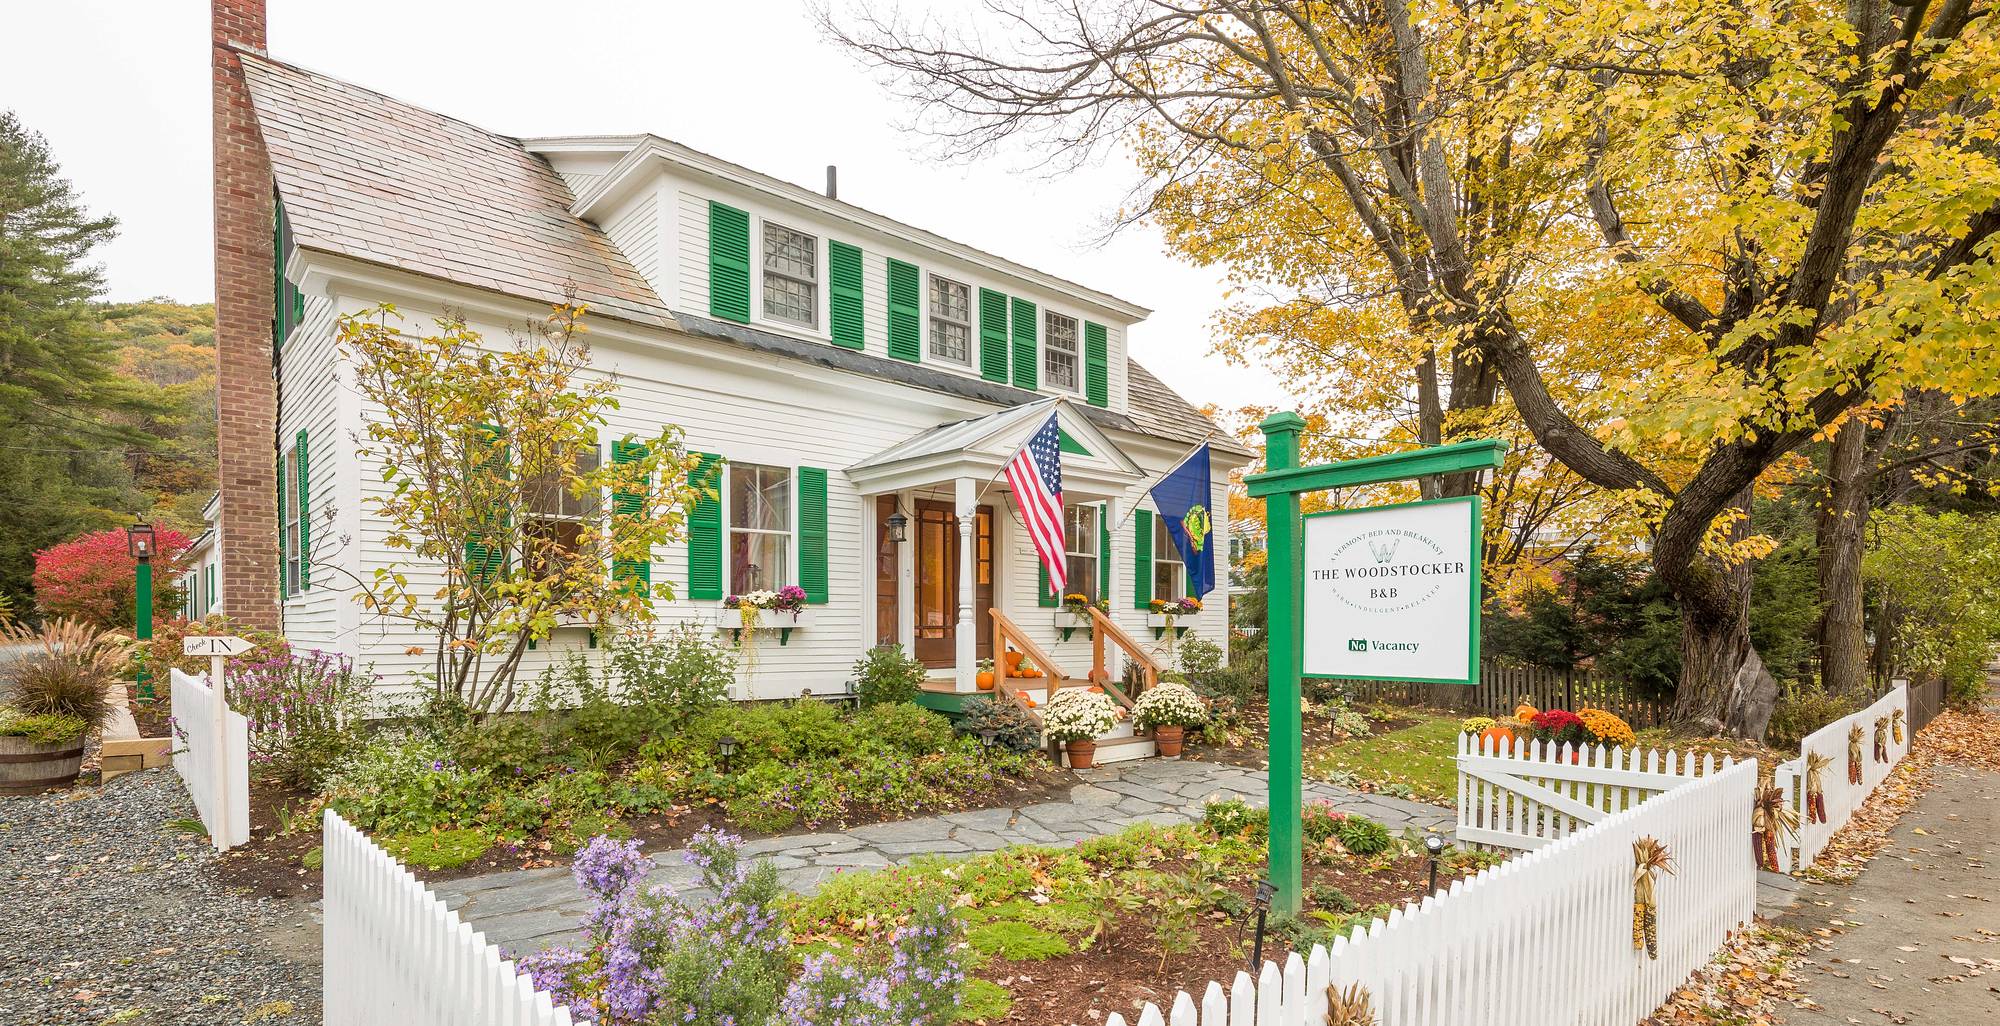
(1051, 401)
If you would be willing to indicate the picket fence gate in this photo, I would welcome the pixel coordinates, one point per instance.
(1526, 794)
(1842, 797)
(1545, 938)
(394, 955)
(225, 812)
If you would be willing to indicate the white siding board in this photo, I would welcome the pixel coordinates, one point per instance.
(635, 231)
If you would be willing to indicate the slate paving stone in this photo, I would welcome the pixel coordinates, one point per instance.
(979, 840)
(993, 820)
(1092, 794)
(857, 860)
(922, 847)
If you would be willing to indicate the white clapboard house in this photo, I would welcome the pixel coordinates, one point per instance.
(847, 368)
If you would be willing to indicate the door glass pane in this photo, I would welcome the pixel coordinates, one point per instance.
(886, 576)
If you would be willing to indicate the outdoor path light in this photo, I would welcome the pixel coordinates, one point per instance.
(725, 746)
(1265, 891)
(1434, 843)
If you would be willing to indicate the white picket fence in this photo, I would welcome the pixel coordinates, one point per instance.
(1545, 938)
(1528, 794)
(222, 799)
(1842, 798)
(395, 956)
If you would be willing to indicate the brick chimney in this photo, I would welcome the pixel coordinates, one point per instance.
(246, 392)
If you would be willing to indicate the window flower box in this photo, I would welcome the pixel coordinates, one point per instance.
(783, 611)
(1074, 614)
(1166, 614)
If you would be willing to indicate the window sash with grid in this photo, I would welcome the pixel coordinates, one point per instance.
(1059, 351)
(760, 525)
(556, 515)
(1169, 573)
(951, 320)
(293, 557)
(791, 276)
(1080, 555)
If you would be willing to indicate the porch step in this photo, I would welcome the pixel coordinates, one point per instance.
(1122, 749)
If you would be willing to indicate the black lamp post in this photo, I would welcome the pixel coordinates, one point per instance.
(1434, 844)
(725, 746)
(140, 541)
(1265, 892)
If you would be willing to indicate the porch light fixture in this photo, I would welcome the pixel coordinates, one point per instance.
(899, 526)
(1434, 843)
(1266, 890)
(139, 540)
(725, 746)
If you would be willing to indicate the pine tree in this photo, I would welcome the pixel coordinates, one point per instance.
(65, 413)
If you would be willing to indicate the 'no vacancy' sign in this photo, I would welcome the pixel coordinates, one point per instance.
(1392, 592)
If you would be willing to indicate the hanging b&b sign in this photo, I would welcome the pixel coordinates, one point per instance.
(1392, 592)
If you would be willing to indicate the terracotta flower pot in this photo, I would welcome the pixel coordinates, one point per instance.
(1168, 740)
(27, 768)
(1082, 754)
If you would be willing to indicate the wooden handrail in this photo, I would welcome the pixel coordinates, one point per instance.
(1105, 627)
(1005, 631)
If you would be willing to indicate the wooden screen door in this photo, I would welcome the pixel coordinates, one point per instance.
(936, 596)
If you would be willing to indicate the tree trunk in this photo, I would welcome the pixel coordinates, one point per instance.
(1724, 687)
(1843, 516)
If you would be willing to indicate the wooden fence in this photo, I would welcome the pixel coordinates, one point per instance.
(1502, 687)
(1545, 938)
(1529, 794)
(394, 955)
(1842, 794)
(221, 793)
(1926, 701)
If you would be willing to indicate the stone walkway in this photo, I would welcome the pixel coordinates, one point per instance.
(532, 909)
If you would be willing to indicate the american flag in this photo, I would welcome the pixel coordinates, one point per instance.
(1035, 475)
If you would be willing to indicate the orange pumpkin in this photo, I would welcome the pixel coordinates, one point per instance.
(1525, 712)
(985, 680)
(1031, 702)
(1496, 738)
(1013, 657)
(1095, 690)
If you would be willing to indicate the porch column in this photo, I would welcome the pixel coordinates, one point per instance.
(967, 634)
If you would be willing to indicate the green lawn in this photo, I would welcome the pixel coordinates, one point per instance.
(1419, 757)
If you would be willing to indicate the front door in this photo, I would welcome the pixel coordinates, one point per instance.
(936, 594)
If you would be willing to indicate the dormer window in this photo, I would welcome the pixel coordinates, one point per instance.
(951, 320)
(791, 276)
(1059, 355)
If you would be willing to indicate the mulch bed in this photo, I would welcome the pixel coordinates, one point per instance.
(1126, 969)
(272, 864)
(1252, 752)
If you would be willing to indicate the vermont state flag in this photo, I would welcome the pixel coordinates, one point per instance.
(1182, 498)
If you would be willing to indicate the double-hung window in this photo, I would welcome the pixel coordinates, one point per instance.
(760, 528)
(791, 276)
(294, 554)
(1059, 354)
(1080, 538)
(1169, 574)
(552, 532)
(951, 320)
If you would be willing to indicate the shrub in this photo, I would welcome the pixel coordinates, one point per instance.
(1013, 727)
(407, 786)
(304, 709)
(42, 729)
(886, 675)
(1802, 709)
(908, 727)
(1320, 820)
(676, 675)
(68, 672)
(1362, 836)
(1199, 657)
(446, 849)
(1076, 714)
(1328, 898)
(1234, 817)
(93, 578)
(164, 651)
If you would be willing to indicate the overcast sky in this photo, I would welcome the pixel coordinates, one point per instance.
(755, 85)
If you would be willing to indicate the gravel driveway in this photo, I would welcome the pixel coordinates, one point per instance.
(108, 916)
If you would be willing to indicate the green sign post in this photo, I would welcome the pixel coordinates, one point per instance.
(1280, 486)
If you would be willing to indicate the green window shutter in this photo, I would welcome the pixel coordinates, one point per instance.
(728, 263)
(284, 573)
(634, 573)
(1043, 596)
(1096, 365)
(281, 307)
(812, 533)
(305, 515)
(1026, 370)
(843, 295)
(992, 336)
(905, 340)
(705, 531)
(208, 593)
(484, 557)
(1142, 559)
(1104, 553)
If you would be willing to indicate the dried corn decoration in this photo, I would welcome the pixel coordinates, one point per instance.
(1816, 765)
(1854, 754)
(1896, 725)
(1769, 818)
(1881, 739)
(1649, 859)
(1350, 1007)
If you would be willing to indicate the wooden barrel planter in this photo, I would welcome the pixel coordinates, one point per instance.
(27, 768)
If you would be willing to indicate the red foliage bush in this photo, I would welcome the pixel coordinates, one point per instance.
(92, 577)
(1558, 726)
